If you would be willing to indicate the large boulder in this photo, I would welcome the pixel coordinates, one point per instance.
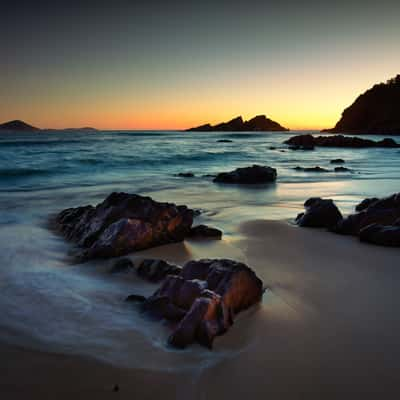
(205, 232)
(319, 213)
(383, 212)
(123, 223)
(248, 175)
(204, 298)
(156, 270)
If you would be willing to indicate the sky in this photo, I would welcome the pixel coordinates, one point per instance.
(177, 64)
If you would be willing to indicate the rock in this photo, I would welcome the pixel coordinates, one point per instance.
(258, 123)
(136, 298)
(204, 297)
(122, 265)
(377, 111)
(339, 141)
(319, 213)
(311, 169)
(249, 175)
(204, 231)
(272, 148)
(342, 169)
(366, 203)
(384, 235)
(337, 161)
(224, 141)
(123, 223)
(17, 126)
(156, 270)
(186, 175)
(385, 211)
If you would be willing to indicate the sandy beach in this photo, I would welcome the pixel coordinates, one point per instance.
(327, 328)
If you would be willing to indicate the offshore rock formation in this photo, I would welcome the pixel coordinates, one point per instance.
(123, 223)
(338, 141)
(18, 126)
(255, 174)
(204, 299)
(319, 213)
(259, 123)
(377, 111)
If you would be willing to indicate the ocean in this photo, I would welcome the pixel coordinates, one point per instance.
(46, 302)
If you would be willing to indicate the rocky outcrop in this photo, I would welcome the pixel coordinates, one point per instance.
(18, 126)
(337, 161)
(156, 270)
(123, 223)
(255, 174)
(204, 231)
(385, 212)
(259, 123)
(377, 111)
(377, 220)
(204, 299)
(338, 141)
(319, 213)
(311, 169)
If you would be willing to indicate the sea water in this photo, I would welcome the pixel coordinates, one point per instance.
(46, 302)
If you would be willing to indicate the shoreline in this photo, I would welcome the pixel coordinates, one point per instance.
(326, 328)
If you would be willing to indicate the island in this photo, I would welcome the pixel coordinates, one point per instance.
(259, 123)
(377, 111)
(17, 126)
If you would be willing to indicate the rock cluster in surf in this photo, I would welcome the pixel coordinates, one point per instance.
(203, 299)
(375, 221)
(308, 142)
(255, 174)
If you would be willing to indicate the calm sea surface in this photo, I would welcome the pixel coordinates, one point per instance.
(78, 309)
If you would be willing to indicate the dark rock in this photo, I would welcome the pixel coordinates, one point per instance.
(156, 270)
(272, 148)
(384, 235)
(258, 123)
(342, 169)
(311, 169)
(123, 223)
(204, 231)
(366, 203)
(248, 175)
(339, 141)
(204, 297)
(209, 176)
(337, 161)
(385, 211)
(377, 111)
(319, 213)
(186, 175)
(224, 141)
(136, 298)
(122, 265)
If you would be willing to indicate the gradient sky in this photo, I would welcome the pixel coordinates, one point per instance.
(175, 64)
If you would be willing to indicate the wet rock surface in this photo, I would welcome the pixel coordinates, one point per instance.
(204, 299)
(204, 231)
(123, 223)
(156, 270)
(255, 174)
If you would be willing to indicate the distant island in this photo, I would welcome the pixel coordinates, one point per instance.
(18, 126)
(259, 123)
(377, 111)
(21, 126)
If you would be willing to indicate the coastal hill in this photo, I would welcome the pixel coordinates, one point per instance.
(259, 123)
(21, 126)
(377, 111)
(18, 126)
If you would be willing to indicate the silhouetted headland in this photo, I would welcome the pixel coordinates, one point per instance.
(377, 111)
(259, 123)
(18, 126)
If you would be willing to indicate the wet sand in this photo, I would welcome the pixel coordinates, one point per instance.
(328, 327)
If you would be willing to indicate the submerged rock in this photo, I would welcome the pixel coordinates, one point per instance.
(123, 223)
(186, 175)
(122, 265)
(248, 175)
(337, 161)
(224, 141)
(204, 298)
(319, 213)
(156, 270)
(204, 231)
(311, 169)
(342, 169)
